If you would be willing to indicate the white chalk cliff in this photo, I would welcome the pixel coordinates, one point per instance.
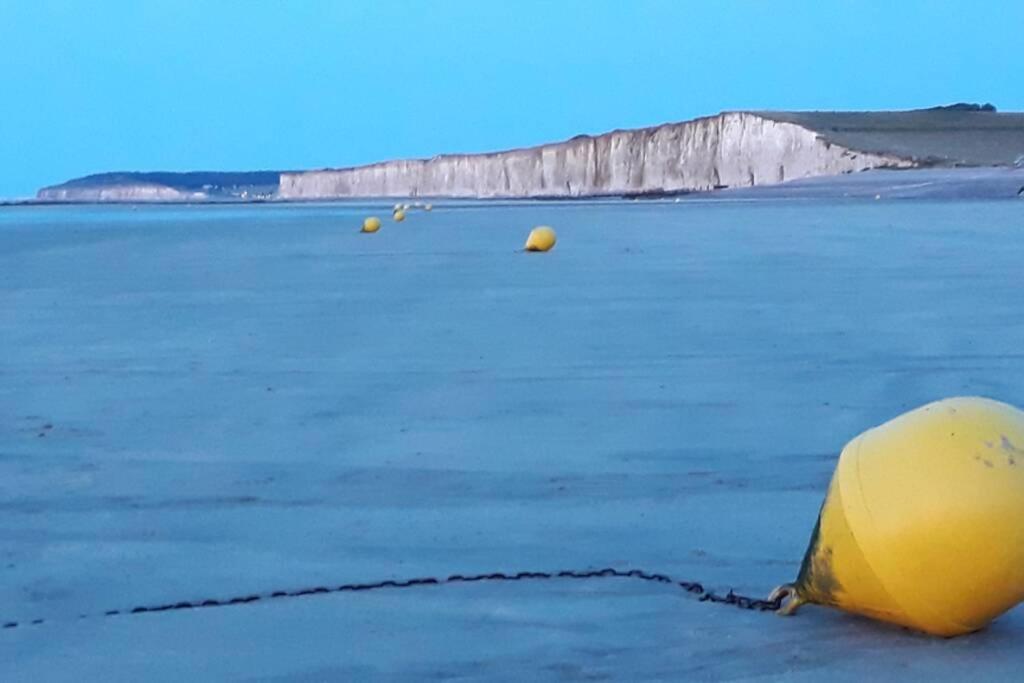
(140, 192)
(731, 149)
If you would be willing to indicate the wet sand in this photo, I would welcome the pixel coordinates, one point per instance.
(211, 401)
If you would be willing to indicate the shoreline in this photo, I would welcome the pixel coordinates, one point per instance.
(989, 182)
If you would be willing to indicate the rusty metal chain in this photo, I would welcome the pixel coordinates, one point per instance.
(691, 587)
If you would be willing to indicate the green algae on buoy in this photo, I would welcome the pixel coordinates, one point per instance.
(399, 215)
(371, 224)
(542, 238)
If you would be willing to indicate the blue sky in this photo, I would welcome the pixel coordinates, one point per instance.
(189, 84)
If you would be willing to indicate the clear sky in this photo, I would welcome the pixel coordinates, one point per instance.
(103, 85)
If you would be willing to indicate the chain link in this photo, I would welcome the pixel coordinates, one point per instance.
(694, 588)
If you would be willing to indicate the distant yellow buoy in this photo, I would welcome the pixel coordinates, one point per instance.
(399, 215)
(923, 523)
(371, 224)
(542, 238)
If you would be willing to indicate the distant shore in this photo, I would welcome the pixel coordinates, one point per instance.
(924, 183)
(734, 149)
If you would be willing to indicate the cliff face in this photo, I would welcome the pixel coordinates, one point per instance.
(961, 135)
(731, 149)
(140, 192)
(162, 186)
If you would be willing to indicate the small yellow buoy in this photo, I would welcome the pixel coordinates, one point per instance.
(541, 238)
(399, 215)
(371, 224)
(923, 523)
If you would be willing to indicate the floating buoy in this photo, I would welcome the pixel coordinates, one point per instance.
(923, 523)
(371, 224)
(541, 238)
(399, 215)
(428, 207)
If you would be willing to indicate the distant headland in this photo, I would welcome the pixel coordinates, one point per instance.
(731, 149)
(166, 186)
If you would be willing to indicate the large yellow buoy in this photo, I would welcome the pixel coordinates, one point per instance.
(399, 215)
(371, 224)
(923, 523)
(541, 238)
